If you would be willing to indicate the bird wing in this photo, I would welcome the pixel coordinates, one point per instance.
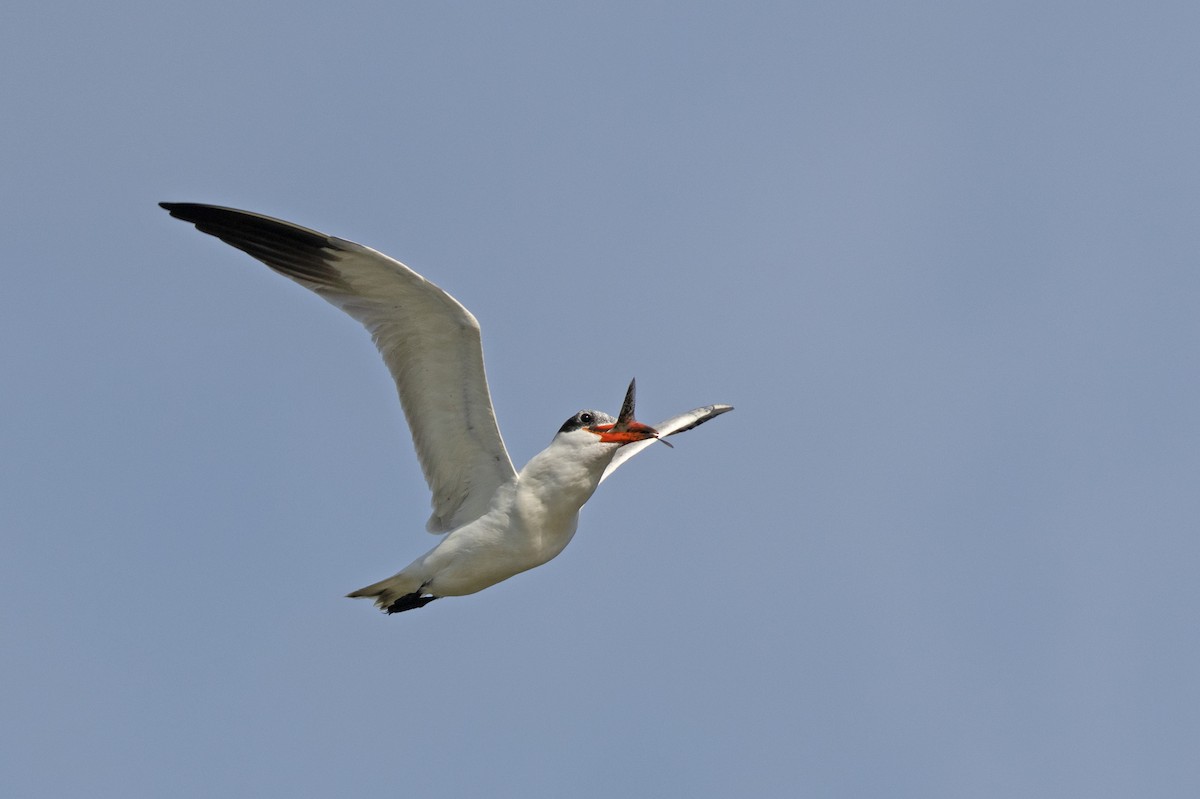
(428, 340)
(676, 424)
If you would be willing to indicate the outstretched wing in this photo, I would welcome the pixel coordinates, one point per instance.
(428, 340)
(676, 424)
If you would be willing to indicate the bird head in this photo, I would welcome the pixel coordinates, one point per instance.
(622, 430)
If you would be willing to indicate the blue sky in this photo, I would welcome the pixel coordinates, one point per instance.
(942, 257)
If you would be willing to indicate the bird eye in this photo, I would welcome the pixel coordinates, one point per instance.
(585, 418)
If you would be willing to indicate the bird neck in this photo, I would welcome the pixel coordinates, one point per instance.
(563, 475)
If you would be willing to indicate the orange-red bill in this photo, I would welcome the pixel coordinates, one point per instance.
(624, 433)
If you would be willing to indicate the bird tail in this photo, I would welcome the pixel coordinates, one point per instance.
(387, 592)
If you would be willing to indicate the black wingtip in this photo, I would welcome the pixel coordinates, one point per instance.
(305, 255)
(189, 212)
(184, 211)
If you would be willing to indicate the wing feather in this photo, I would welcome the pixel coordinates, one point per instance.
(429, 341)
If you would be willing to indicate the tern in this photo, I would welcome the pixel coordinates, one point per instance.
(498, 522)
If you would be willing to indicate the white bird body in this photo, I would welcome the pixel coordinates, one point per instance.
(531, 520)
(498, 522)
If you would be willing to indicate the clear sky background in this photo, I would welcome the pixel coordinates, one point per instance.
(943, 257)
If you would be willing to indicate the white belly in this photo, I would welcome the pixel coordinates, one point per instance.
(480, 555)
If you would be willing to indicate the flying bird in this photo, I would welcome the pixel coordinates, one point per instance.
(498, 522)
